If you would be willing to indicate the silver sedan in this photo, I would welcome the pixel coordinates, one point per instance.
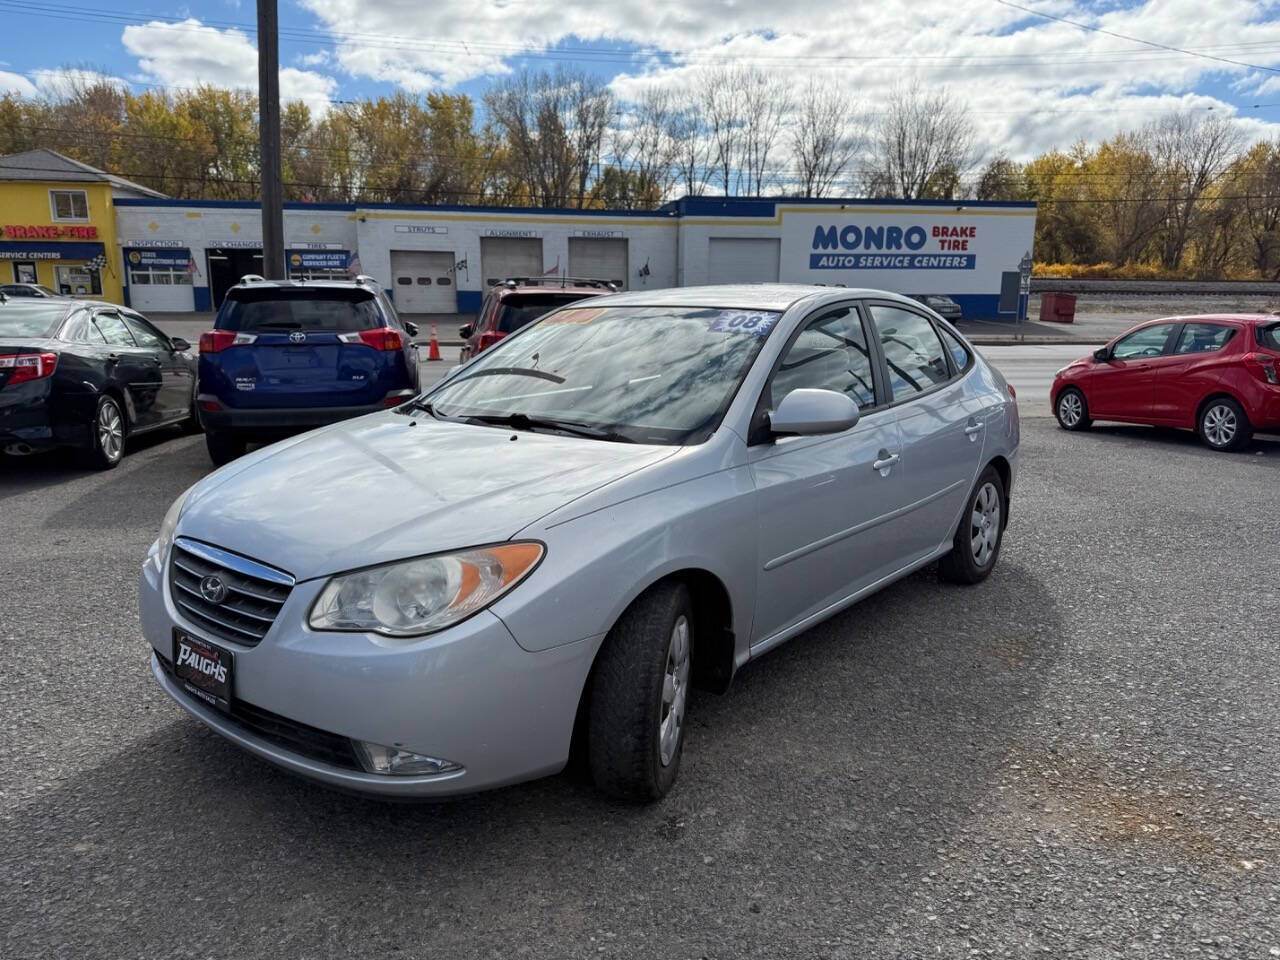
(622, 502)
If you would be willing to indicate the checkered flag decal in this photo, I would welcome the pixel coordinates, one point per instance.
(98, 263)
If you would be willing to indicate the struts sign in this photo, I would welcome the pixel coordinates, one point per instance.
(893, 247)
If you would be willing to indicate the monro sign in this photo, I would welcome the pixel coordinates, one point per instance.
(896, 247)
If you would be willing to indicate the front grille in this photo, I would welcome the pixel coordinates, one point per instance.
(254, 594)
(299, 738)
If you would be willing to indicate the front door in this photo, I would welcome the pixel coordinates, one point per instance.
(132, 368)
(1121, 388)
(822, 501)
(941, 419)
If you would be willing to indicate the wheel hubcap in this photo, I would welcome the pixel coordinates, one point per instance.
(110, 431)
(1070, 409)
(1220, 425)
(675, 689)
(984, 524)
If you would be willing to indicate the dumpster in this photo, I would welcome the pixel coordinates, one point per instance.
(1058, 307)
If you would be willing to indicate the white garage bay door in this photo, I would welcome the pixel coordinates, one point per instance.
(599, 259)
(743, 260)
(504, 257)
(422, 282)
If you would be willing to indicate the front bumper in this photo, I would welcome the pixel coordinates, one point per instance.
(469, 694)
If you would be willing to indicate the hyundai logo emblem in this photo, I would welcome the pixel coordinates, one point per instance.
(213, 589)
(297, 337)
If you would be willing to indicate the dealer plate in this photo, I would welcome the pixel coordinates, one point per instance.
(203, 669)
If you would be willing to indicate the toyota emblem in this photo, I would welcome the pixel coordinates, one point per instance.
(213, 589)
(297, 337)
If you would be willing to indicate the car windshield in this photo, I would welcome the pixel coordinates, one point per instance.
(1269, 336)
(314, 308)
(521, 310)
(647, 374)
(31, 317)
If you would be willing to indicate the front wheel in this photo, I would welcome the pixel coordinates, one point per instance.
(639, 692)
(224, 447)
(977, 542)
(1072, 410)
(1223, 425)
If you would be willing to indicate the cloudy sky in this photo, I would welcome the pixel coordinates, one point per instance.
(1031, 82)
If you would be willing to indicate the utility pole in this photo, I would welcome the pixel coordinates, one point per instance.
(269, 140)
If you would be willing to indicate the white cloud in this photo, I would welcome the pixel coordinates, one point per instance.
(188, 54)
(16, 84)
(1031, 83)
(63, 81)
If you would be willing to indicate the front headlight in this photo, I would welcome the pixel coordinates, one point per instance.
(413, 597)
(167, 528)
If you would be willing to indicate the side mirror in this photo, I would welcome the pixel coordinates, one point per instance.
(411, 327)
(1102, 354)
(465, 331)
(809, 412)
(179, 345)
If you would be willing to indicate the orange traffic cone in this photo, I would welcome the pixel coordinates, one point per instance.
(433, 351)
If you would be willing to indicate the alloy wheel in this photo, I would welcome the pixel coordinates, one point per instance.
(1220, 425)
(1070, 409)
(110, 428)
(675, 691)
(984, 524)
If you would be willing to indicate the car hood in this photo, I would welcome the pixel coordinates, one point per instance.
(388, 486)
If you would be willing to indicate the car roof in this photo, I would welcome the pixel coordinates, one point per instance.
(302, 283)
(1219, 317)
(755, 296)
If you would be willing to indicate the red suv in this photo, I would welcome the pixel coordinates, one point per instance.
(511, 304)
(1217, 375)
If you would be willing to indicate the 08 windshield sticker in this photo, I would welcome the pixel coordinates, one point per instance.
(755, 322)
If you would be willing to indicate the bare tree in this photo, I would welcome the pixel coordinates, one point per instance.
(692, 152)
(645, 150)
(1191, 153)
(591, 109)
(824, 138)
(764, 103)
(920, 136)
(720, 102)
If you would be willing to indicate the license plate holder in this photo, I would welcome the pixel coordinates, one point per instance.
(203, 669)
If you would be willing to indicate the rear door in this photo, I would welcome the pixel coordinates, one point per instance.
(174, 398)
(1123, 387)
(136, 369)
(1191, 370)
(306, 350)
(942, 415)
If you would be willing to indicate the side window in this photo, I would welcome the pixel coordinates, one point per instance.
(1203, 338)
(393, 318)
(912, 351)
(1147, 342)
(113, 330)
(80, 330)
(831, 353)
(144, 336)
(960, 355)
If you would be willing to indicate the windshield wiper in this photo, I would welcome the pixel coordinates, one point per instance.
(514, 372)
(522, 421)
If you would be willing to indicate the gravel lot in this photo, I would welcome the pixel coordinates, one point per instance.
(1075, 759)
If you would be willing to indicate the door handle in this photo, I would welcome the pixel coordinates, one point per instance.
(157, 361)
(113, 357)
(885, 462)
(973, 429)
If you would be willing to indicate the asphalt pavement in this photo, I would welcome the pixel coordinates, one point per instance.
(1076, 758)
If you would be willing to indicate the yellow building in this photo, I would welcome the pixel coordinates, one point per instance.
(58, 224)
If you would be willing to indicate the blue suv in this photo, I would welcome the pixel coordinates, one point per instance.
(289, 355)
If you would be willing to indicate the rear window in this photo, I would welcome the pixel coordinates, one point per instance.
(306, 309)
(1269, 336)
(31, 317)
(522, 309)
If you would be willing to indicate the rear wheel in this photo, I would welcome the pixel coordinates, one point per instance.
(977, 542)
(192, 423)
(1223, 425)
(1072, 410)
(107, 433)
(224, 447)
(639, 692)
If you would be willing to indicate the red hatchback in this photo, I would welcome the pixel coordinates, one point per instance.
(512, 304)
(1217, 375)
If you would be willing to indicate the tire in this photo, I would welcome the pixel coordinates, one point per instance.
(971, 561)
(192, 425)
(1222, 425)
(224, 447)
(1072, 410)
(639, 690)
(107, 434)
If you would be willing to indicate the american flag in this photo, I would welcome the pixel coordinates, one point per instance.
(353, 264)
(553, 271)
(192, 269)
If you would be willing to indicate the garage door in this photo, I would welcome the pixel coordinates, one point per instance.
(599, 259)
(743, 260)
(504, 257)
(422, 282)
